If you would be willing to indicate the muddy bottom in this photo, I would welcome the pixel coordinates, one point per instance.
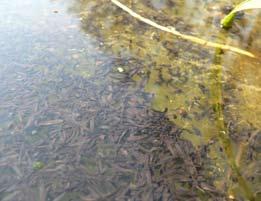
(97, 139)
(95, 105)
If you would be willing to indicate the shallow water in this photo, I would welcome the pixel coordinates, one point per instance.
(95, 105)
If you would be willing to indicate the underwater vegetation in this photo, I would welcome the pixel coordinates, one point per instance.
(227, 21)
(129, 100)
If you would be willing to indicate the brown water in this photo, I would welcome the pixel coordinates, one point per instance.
(95, 105)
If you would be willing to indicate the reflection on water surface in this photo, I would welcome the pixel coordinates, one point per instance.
(96, 105)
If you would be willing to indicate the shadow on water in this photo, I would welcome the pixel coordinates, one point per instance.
(95, 105)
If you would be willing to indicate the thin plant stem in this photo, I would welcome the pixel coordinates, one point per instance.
(173, 31)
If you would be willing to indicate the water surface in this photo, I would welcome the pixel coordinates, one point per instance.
(95, 105)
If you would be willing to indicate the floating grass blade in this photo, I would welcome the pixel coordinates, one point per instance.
(173, 31)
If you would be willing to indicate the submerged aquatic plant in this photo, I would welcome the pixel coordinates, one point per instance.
(38, 165)
(227, 21)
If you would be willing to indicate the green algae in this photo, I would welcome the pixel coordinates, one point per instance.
(38, 165)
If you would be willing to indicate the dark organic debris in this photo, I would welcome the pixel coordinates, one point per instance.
(95, 142)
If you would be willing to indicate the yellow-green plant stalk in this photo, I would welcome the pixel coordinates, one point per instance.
(223, 133)
(227, 21)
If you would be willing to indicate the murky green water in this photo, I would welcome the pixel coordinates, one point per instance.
(95, 105)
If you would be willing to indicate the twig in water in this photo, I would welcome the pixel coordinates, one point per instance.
(173, 31)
